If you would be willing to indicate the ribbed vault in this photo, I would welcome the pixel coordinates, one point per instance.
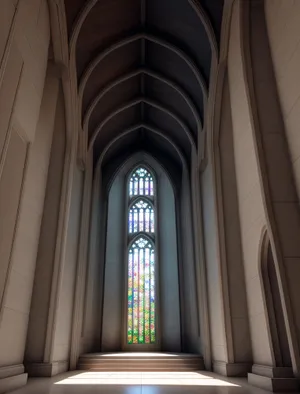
(143, 72)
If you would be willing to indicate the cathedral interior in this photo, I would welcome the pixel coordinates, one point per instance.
(149, 196)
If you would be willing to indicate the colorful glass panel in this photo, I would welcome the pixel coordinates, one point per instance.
(141, 217)
(141, 320)
(141, 293)
(141, 183)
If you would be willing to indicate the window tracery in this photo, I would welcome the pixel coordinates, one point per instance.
(141, 308)
(141, 217)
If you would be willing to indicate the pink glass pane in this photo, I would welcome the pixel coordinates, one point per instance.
(152, 221)
(130, 224)
(130, 299)
(141, 220)
(135, 221)
(135, 296)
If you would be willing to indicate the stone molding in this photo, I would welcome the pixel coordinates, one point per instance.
(263, 151)
(47, 369)
(59, 38)
(12, 378)
(231, 369)
(272, 372)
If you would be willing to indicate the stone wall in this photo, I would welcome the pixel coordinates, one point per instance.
(26, 128)
(282, 17)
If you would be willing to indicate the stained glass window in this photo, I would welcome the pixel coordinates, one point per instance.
(141, 217)
(141, 292)
(141, 310)
(141, 183)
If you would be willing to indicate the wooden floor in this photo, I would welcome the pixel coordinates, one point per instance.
(138, 361)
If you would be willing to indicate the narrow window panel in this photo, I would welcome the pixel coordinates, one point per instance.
(142, 183)
(130, 224)
(152, 299)
(152, 221)
(130, 298)
(141, 296)
(141, 214)
(136, 185)
(147, 220)
(147, 191)
(131, 187)
(141, 317)
(135, 295)
(147, 295)
(141, 320)
(135, 220)
(151, 188)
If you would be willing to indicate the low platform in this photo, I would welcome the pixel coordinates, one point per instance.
(140, 362)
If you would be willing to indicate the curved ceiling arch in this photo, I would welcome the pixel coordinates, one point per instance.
(156, 40)
(207, 25)
(89, 5)
(160, 54)
(133, 74)
(153, 104)
(137, 127)
(132, 157)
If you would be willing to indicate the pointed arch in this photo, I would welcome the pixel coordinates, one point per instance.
(134, 128)
(141, 311)
(153, 104)
(277, 331)
(141, 216)
(156, 40)
(141, 182)
(141, 281)
(152, 74)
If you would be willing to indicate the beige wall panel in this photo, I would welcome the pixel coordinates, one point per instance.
(27, 108)
(21, 92)
(32, 37)
(12, 344)
(8, 92)
(252, 218)
(91, 309)
(65, 307)
(233, 255)
(292, 267)
(93, 306)
(283, 24)
(213, 269)
(10, 191)
(6, 17)
(23, 259)
(47, 242)
(31, 210)
(112, 328)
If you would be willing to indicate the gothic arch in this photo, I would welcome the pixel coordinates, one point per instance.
(157, 40)
(273, 304)
(153, 74)
(88, 7)
(136, 127)
(166, 256)
(152, 103)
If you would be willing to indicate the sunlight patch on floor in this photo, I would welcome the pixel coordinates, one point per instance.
(144, 378)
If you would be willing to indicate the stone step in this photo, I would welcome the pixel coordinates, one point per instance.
(140, 362)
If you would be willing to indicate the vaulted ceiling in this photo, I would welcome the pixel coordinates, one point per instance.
(143, 70)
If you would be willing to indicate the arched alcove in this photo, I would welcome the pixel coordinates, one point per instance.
(273, 304)
(118, 243)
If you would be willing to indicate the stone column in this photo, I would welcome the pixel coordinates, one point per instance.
(279, 193)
